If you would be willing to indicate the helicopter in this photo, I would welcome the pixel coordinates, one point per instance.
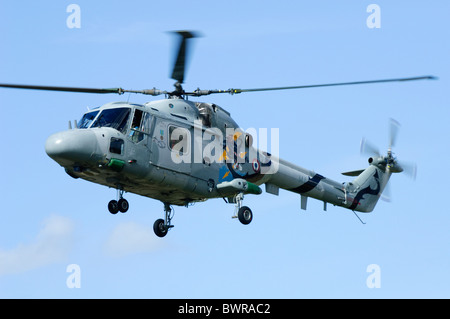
(180, 152)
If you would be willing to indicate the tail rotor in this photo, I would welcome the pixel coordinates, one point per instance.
(389, 163)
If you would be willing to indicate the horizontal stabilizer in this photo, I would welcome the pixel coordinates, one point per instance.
(353, 173)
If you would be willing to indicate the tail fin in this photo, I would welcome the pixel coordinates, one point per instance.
(364, 192)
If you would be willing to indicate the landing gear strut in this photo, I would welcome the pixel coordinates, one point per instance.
(243, 213)
(162, 226)
(121, 205)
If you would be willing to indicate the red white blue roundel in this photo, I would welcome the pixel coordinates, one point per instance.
(256, 166)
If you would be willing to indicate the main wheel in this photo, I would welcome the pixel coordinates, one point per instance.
(159, 228)
(245, 215)
(123, 205)
(113, 207)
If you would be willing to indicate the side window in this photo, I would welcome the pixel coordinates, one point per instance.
(116, 145)
(137, 119)
(179, 139)
(146, 122)
(140, 125)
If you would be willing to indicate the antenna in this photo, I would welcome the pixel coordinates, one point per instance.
(358, 217)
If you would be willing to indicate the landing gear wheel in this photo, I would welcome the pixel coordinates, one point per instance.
(162, 226)
(113, 207)
(159, 228)
(123, 205)
(245, 215)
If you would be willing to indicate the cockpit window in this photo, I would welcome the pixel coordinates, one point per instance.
(87, 119)
(115, 118)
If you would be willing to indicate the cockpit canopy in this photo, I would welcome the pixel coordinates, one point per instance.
(116, 118)
(119, 118)
(87, 119)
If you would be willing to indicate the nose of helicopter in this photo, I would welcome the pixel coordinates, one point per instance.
(71, 146)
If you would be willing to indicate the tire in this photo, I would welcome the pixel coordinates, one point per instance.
(113, 207)
(159, 228)
(245, 215)
(123, 205)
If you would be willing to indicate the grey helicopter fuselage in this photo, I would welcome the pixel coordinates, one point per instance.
(127, 146)
(157, 150)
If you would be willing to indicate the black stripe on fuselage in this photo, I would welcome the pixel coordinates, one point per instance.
(309, 185)
(367, 190)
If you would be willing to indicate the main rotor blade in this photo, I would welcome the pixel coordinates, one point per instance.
(237, 91)
(62, 88)
(153, 91)
(180, 62)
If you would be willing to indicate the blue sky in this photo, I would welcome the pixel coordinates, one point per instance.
(50, 221)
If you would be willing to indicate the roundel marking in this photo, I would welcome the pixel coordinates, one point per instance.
(256, 166)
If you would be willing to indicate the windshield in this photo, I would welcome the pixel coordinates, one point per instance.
(115, 118)
(87, 119)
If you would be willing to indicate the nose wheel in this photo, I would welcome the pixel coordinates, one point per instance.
(121, 205)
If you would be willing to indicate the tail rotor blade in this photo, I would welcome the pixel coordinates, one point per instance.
(387, 193)
(393, 132)
(409, 168)
(369, 149)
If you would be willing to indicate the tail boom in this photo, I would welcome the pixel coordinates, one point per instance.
(362, 194)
